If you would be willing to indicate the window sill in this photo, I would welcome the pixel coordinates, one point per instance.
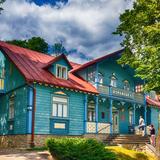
(63, 118)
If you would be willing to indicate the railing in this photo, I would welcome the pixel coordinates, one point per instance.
(102, 127)
(1, 84)
(121, 93)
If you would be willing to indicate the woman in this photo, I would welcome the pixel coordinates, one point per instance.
(152, 135)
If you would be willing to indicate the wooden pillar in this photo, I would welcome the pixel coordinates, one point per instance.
(134, 114)
(96, 118)
(85, 112)
(111, 115)
(145, 112)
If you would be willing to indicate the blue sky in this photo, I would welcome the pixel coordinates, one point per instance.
(84, 26)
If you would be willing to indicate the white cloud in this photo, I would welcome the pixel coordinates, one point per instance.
(84, 25)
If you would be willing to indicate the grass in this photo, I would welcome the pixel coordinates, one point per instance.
(125, 154)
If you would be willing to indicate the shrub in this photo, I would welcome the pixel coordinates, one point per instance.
(78, 149)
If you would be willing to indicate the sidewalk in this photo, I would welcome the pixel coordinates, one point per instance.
(24, 155)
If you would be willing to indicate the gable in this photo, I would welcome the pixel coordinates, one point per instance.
(12, 76)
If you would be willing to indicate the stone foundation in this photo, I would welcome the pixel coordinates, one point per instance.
(17, 141)
(24, 141)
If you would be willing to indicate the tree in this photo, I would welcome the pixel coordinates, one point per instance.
(140, 28)
(1, 1)
(35, 43)
(58, 49)
(21, 43)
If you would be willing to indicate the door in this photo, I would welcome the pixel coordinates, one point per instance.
(115, 122)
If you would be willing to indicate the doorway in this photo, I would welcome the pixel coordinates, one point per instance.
(115, 122)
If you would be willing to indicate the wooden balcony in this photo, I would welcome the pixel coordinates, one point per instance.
(120, 93)
(1, 85)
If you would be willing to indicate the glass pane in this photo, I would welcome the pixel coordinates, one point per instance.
(59, 71)
(54, 111)
(60, 110)
(64, 110)
(64, 73)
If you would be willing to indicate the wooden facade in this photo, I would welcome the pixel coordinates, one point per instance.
(39, 108)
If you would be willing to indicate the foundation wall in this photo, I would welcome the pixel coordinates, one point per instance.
(24, 141)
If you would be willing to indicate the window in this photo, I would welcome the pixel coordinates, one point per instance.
(91, 74)
(11, 107)
(61, 72)
(60, 106)
(91, 112)
(139, 88)
(126, 85)
(100, 78)
(113, 80)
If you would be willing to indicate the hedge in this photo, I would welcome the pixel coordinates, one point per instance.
(78, 149)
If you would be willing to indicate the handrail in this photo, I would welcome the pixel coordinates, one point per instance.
(109, 124)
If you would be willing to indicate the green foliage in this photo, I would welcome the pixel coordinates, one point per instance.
(78, 149)
(58, 49)
(35, 43)
(1, 1)
(140, 27)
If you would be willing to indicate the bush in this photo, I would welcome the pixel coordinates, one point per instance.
(78, 149)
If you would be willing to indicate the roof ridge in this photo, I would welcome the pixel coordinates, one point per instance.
(96, 60)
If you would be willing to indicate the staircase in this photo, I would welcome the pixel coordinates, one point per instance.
(126, 139)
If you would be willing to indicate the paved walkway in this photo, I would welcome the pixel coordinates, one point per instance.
(24, 155)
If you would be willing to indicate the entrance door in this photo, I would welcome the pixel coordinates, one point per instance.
(115, 122)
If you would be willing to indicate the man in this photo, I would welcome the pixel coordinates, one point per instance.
(141, 125)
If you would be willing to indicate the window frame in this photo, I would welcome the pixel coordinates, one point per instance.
(11, 112)
(58, 103)
(125, 87)
(61, 71)
(115, 80)
(91, 110)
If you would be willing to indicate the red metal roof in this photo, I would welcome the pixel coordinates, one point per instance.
(96, 60)
(152, 102)
(31, 65)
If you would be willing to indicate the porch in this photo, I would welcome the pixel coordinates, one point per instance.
(114, 111)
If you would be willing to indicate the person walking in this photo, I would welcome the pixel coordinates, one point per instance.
(152, 135)
(141, 125)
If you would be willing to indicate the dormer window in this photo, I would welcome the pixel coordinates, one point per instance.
(61, 71)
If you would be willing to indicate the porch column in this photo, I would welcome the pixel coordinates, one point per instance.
(110, 113)
(134, 114)
(96, 117)
(145, 112)
(85, 112)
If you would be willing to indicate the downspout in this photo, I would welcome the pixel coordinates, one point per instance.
(32, 144)
(33, 117)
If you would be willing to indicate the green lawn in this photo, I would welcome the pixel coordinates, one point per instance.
(125, 154)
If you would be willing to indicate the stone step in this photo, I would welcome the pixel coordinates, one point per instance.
(127, 139)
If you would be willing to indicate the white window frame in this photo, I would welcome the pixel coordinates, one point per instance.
(91, 113)
(61, 74)
(126, 85)
(113, 81)
(11, 107)
(58, 105)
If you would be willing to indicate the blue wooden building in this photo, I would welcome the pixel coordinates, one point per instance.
(42, 96)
